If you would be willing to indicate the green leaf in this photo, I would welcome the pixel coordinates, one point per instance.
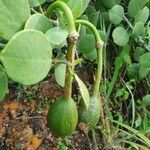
(13, 15)
(120, 36)
(142, 15)
(84, 92)
(86, 44)
(119, 61)
(77, 7)
(139, 51)
(3, 83)
(84, 6)
(133, 71)
(116, 14)
(38, 22)
(146, 100)
(134, 132)
(83, 29)
(94, 17)
(90, 10)
(144, 63)
(27, 57)
(109, 3)
(91, 56)
(138, 29)
(35, 3)
(60, 72)
(135, 6)
(57, 35)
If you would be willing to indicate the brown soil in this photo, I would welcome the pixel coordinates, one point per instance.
(23, 123)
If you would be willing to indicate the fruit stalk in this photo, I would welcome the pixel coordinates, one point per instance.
(99, 47)
(95, 92)
(72, 40)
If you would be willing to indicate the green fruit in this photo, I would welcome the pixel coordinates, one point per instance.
(91, 116)
(63, 117)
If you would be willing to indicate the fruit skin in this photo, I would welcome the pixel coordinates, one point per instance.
(91, 116)
(63, 117)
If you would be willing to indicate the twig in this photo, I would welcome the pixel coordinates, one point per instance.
(34, 117)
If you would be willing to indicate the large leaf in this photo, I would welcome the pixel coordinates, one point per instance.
(3, 83)
(57, 35)
(146, 100)
(35, 3)
(109, 3)
(94, 17)
(77, 7)
(84, 92)
(91, 56)
(135, 6)
(138, 29)
(144, 65)
(142, 15)
(120, 36)
(85, 5)
(86, 44)
(38, 22)
(60, 72)
(27, 57)
(138, 52)
(13, 15)
(116, 14)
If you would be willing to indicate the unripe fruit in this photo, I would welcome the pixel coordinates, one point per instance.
(63, 117)
(91, 116)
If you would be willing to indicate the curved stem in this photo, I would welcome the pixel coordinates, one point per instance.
(72, 40)
(67, 12)
(99, 47)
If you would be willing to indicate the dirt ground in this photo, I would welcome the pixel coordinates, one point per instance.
(23, 120)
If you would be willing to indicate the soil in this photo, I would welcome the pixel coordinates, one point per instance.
(23, 121)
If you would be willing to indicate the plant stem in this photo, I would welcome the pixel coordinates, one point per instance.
(72, 40)
(142, 42)
(67, 12)
(99, 47)
(69, 77)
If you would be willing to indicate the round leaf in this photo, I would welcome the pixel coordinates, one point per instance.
(27, 57)
(3, 83)
(91, 56)
(13, 15)
(86, 43)
(38, 22)
(109, 3)
(60, 72)
(57, 35)
(35, 3)
(133, 71)
(84, 92)
(146, 100)
(144, 65)
(94, 17)
(77, 7)
(139, 51)
(116, 14)
(143, 15)
(120, 36)
(135, 6)
(138, 29)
